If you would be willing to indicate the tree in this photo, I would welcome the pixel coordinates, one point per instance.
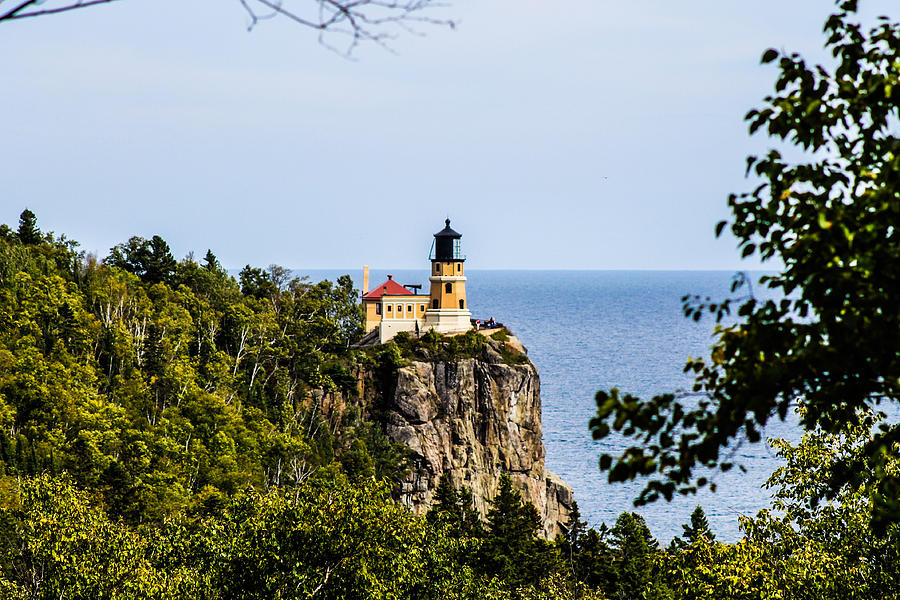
(151, 260)
(829, 549)
(455, 509)
(210, 262)
(589, 557)
(829, 338)
(511, 549)
(635, 572)
(697, 530)
(28, 231)
(360, 20)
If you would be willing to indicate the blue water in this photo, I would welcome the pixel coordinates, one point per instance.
(592, 330)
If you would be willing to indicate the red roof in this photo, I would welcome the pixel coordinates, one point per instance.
(388, 288)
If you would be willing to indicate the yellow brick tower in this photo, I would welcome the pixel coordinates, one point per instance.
(448, 311)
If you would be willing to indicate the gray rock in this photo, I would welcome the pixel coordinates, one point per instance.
(474, 419)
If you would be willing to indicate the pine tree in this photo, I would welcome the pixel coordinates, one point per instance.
(634, 570)
(697, 530)
(699, 527)
(160, 264)
(512, 550)
(28, 232)
(569, 541)
(446, 503)
(210, 262)
(357, 463)
(456, 509)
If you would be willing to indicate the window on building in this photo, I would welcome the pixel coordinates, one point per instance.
(409, 308)
(462, 303)
(422, 307)
(389, 307)
(448, 287)
(437, 267)
(458, 267)
(378, 309)
(434, 303)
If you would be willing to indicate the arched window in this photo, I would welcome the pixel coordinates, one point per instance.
(434, 303)
(448, 287)
(462, 303)
(437, 267)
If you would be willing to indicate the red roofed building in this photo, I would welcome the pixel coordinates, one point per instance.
(388, 288)
(392, 307)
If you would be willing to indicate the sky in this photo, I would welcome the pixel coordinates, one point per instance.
(572, 134)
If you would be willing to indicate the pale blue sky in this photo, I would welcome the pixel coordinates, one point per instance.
(557, 134)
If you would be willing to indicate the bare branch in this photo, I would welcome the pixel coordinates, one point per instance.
(17, 13)
(376, 21)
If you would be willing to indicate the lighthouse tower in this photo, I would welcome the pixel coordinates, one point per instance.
(448, 310)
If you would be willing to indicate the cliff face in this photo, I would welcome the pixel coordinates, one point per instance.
(474, 418)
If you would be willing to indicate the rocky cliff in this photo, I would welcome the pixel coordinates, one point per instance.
(473, 418)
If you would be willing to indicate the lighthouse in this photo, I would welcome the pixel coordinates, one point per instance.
(393, 307)
(448, 310)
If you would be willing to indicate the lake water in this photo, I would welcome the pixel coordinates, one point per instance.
(592, 330)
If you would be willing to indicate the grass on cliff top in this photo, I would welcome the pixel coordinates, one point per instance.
(433, 346)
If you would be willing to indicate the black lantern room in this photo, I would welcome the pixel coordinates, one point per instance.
(446, 245)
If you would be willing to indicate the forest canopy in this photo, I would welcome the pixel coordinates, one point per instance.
(168, 431)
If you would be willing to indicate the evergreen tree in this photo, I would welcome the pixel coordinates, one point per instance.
(698, 529)
(456, 509)
(446, 501)
(210, 262)
(635, 575)
(569, 541)
(585, 551)
(256, 282)
(160, 264)
(151, 260)
(512, 550)
(594, 563)
(28, 232)
(357, 463)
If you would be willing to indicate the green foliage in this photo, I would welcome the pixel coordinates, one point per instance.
(586, 552)
(435, 346)
(635, 551)
(326, 538)
(54, 544)
(829, 216)
(501, 335)
(802, 548)
(160, 386)
(697, 530)
(835, 549)
(28, 232)
(511, 550)
(151, 260)
(455, 510)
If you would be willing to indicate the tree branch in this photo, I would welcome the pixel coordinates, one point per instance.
(360, 20)
(16, 13)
